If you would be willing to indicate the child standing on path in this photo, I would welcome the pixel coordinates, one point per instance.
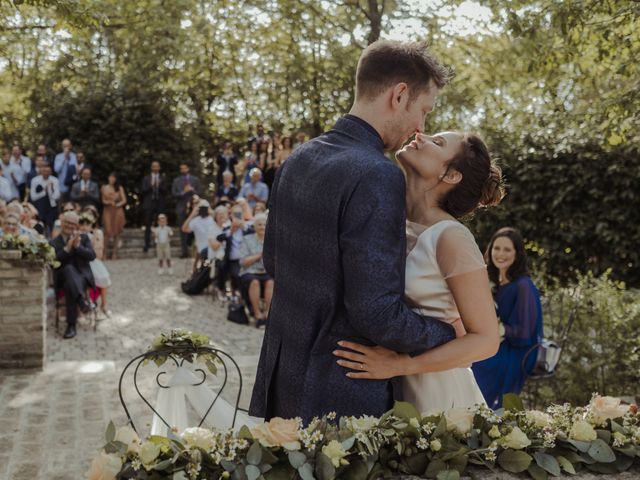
(163, 234)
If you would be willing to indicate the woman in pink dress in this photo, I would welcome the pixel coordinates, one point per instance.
(113, 220)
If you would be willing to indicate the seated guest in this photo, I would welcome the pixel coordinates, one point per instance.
(85, 191)
(232, 237)
(45, 193)
(253, 276)
(255, 190)
(31, 219)
(519, 310)
(74, 252)
(10, 225)
(66, 207)
(227, 191)
(88, 225)
(24, 217)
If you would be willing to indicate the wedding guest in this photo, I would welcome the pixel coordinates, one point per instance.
(13, 174)
(85, 191)
(10, 224)
(66, 207)
(45, 193)
(215, 249)
(255, 190)
(6, 193)
(62, 167)
(183, 188)
(41, 151)
(38, 162)
(269, 165)
(24, 216)
(201, 223)
(24, 164)
(3, 209)
(284, 151)
(113, 218)
(101, 276)
(260, 135)
(226, 162)
(301, 137)
(227, 192)
(163, 233)
(251, 161)
(75, 174)
(153, 194)
(253, 276)
(232, 237)
(74, 252)
(519, 310)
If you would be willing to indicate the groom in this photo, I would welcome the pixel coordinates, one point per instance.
(335, 245)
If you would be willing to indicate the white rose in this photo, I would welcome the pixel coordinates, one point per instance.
(128, 436)
(199, 437)
(362, 424)
(105, 467)
(515, 440)
(435, 445)
(604, 408)
(459, 420)
(539, 419)
(582, 431)
(414, 422)
(278, 432)
(149, 451)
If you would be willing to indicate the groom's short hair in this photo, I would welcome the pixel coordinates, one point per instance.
(385, 63)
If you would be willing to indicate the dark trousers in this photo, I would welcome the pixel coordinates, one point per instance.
(149, 216)
(74, 285)
(228, 270)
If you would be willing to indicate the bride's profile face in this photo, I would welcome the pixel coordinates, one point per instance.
(428, 155)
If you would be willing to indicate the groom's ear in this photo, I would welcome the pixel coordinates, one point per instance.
(399, 95)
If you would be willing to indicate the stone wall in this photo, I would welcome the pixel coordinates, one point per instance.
(22, 312)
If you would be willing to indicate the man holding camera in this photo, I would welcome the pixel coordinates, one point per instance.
(74, 252)
(182, 189)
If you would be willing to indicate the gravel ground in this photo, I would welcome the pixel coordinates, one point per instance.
(52, 422)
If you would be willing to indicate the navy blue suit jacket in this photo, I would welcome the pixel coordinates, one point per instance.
(335, 245)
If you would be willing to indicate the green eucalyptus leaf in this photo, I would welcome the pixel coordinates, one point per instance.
(297, 459)
(306, 472)
(324, 468)
(110, 435)
(601, 452)
(548, 463)
(566, 465)
(406, 411)
(254, 455)
(448, 475)
(435, 467)
(623, 463)
(348, 443)
(252, 472)
(537, 473)
(417, 463)
(604, 435)
(356, 470)
(609, 468)
(514, 461)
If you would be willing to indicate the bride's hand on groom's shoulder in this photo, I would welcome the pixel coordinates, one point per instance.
(371, 363)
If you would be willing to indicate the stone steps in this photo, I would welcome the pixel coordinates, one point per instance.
(133, 242)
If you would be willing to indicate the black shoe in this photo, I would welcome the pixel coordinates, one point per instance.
(70, 332)
(262, 323)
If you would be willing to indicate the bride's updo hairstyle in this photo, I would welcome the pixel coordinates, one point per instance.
(481, 184)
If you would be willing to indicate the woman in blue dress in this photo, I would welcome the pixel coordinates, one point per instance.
(518, 304)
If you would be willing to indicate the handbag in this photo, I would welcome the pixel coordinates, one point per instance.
(236, 313)
(547, 358)
(198, 281)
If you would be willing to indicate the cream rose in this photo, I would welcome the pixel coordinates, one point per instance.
(494, 432)
(105, 467)
(199, 437)
(459, 420)
(516, 440)
(149, 451)
(604, 408)
(539, 419)
(335, 452)
(435, 445)
(128, 436)
(582, 431)
(278, 432)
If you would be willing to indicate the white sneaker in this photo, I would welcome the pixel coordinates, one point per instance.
(170, 270)
(161, 271)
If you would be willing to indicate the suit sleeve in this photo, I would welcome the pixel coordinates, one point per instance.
(269, 248)
(85, 250)
(372, 244)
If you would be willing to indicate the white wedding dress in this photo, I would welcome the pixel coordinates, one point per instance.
(444, 250)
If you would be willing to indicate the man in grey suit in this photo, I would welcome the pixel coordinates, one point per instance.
(183, 188)
(85, 191)
(335, 245)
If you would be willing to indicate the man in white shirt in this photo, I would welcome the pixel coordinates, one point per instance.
(24, 164)
(12, 173)
(61, 165)
(256, 190)
(45, 193)
(201, 223)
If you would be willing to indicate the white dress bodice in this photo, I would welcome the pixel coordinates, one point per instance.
(436, 253)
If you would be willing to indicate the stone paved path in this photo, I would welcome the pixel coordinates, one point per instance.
(52, 422)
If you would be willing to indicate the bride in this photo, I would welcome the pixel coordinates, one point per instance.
(449, 175)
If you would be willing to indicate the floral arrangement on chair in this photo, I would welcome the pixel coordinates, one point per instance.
(603, 437)
(185, 345)
(36, 250)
